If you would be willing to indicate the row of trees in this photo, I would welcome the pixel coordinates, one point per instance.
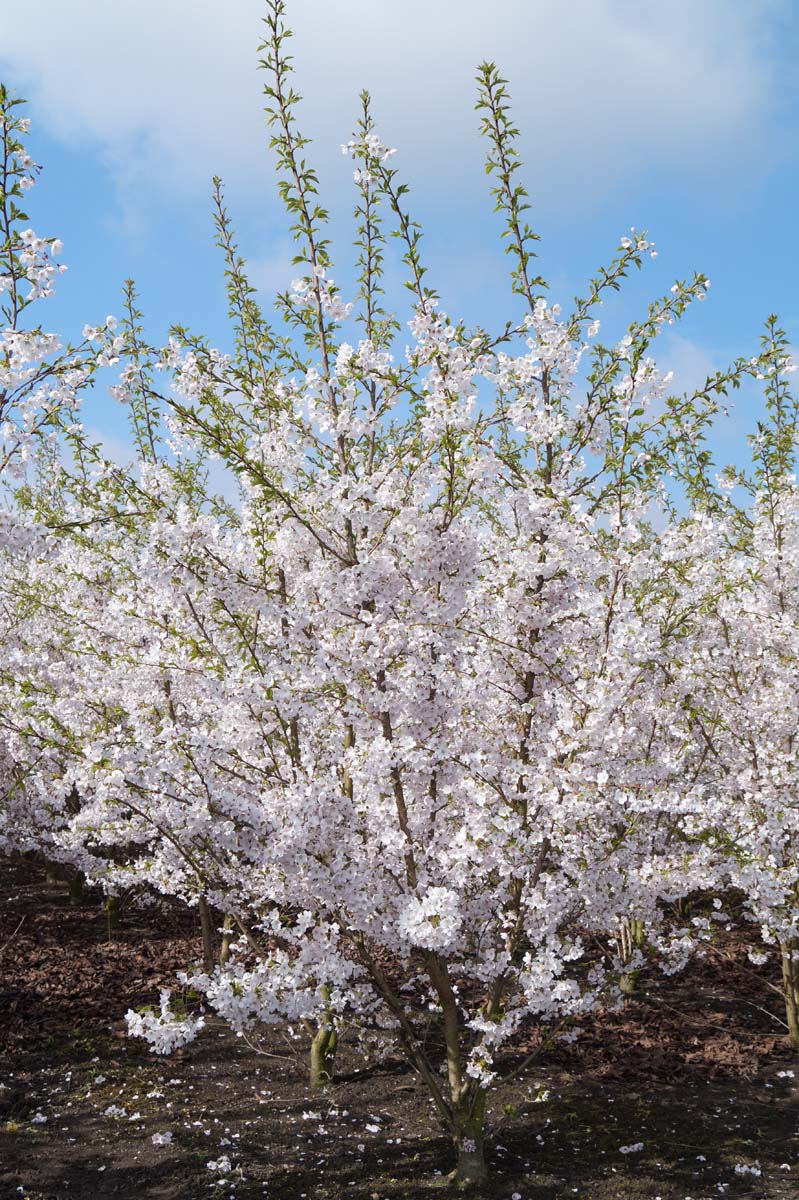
(483, 670)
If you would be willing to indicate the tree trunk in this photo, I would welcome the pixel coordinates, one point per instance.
(469, 1137)
(323, 1047)
(468, 1098)
(77, 886)
(227, 938)
(629, 939)
(208, 935)
(323, 1057)
(111, 913)
(790, 985)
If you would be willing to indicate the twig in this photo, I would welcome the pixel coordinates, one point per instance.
(6, 944)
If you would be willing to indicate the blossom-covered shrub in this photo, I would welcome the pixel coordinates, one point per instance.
(421, 711)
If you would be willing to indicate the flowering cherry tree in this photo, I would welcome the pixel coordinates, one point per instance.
(404, 712)
(738, 671)
(41, 383)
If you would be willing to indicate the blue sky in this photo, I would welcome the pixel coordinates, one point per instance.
(681, 118)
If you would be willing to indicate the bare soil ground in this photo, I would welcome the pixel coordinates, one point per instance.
(694, 1068)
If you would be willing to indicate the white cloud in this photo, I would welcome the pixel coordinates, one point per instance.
(602, 88)
(691, 363)
(273, 273)
(119, 449)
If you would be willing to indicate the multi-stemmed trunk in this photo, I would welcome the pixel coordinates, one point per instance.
(461, 1106)
(629, 939)
(467, 1096)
